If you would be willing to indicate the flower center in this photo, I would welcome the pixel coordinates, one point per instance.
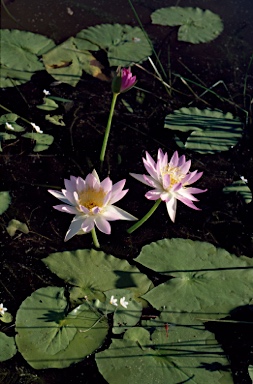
(91, 198)
(175, 174)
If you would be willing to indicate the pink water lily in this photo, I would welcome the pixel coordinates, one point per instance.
(91, 201)
(170, 181)
(123, 81)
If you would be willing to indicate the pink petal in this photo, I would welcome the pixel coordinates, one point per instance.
(140, 178)
(88, 224)
(174, 160)
(106, 184)
(58, 195)
(151, 169)
(80, 184)
(188, 202)
(153, 195)
(184, 168)
(70, 185)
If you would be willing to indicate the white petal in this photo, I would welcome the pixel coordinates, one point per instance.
(58, 195)
(139, 178)
(75, 226)
(88, 224)
(113, 213)
(103, 225)
(67, 209)
(172, 208)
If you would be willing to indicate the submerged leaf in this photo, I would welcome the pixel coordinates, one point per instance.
(240, 187)
(196, 25)
(211, 130)
(205, 280)
(48, 337)
(20, 51)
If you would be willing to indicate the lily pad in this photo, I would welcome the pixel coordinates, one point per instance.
(196, 25)
(5, 136)
(188, 353)
(67, 61)
(93, 272)
(204, 279)
(43, 141)
(56, 120)
(16, 225)
(11, 119)
(5, 201)
(124, 44)
(48, 104)
(211, 130)
(48, 337)
(20, 52)
(240, 187)
(8, 347)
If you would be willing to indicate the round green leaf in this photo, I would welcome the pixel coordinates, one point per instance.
(206, 280)
(186, 353)
(48, 337)
(15, 225)
(196, 25)
(102, 273)
(48, 104)
(124, 44)
(5, 201)
(211, 130)
(20, 51)
(8, 347)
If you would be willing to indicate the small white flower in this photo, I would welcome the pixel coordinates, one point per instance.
(2, 309)
(123, 302)
(46, 93)
(37, 128)
(243, 179)
(9, 126)
(113, 301)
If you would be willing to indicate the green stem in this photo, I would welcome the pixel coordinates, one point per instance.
(20, 117)
(108, 127)
(94, 238)
(145, 218)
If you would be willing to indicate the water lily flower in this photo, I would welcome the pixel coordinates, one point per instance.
(46, 93)
(9, 126)
(91, 201)
(113, 301)
(37, 128)
(170, 182)
(122, 82)
(123, 302)
(2, 309)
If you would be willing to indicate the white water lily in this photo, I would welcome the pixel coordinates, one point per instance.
(46, 93)
(9, 126)
(123, 302)
(37, 128)
(170, 181)
(2, 309)
(113, 301)
(91, 201)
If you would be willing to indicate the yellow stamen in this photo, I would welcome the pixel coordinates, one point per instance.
(175, 173)
(91, 198)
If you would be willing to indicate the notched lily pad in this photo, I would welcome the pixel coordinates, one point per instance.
(43, 141)
(48, 104)
(56, 120)
(211, 130)
(124, 44)
(196, 25)
(205, 280)
(240, 187)
(102, 273)
(20, 51)
(49, 337)
(188, 352)
(11, 118)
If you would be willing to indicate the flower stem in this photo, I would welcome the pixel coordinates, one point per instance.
(108, 127)
(20, 117)
(94, 238)
(145, 218)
